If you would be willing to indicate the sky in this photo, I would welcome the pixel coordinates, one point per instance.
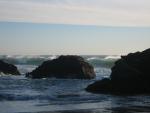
(91, 27)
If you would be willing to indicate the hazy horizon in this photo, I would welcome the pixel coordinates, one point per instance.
(78, 27)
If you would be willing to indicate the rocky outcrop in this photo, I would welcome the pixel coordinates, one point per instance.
(102, 86)
(8, 68)
(64, 67)
(130, 74)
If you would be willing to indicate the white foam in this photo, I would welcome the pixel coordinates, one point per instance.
(112, 57)
(92, 58)
(3, 74)
(52, 57)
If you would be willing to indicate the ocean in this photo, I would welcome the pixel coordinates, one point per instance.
(19, 94)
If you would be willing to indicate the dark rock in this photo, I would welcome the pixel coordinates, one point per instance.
(103, 86)
(64, 67)
(8, 68)
(130, 74)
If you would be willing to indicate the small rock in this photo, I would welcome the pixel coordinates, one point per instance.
(8, 68)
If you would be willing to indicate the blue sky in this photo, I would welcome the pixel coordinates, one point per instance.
(31, 38)
(74, 26)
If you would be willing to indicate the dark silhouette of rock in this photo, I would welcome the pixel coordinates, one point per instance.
(8, 68)
(130, 75)
(103, 86)
(64, 67)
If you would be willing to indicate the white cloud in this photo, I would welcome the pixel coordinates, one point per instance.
(82, 12)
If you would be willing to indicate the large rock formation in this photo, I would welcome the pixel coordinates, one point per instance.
(130, 74)
(64, 67)
(8, 68)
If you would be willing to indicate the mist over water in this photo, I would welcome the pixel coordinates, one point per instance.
(19, 94)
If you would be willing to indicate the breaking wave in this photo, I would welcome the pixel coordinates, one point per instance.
(100, 60)
(103, 61)
(26, 60)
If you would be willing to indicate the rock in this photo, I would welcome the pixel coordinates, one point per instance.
(64, 67)
(130, 75)
(8, 68)
(103, 86)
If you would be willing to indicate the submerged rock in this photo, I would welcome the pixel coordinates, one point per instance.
(130, 74)
(64, 67)
(8, 68)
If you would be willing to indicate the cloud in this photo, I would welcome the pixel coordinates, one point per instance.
(81, 12)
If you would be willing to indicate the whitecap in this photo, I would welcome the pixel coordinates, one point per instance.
(112, 57)
(92, 58)
(52, 57)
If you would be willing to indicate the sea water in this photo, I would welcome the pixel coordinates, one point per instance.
(19, 94)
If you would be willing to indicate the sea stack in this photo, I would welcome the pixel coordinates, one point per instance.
(70, 66)
(130, 75)
(7, 68)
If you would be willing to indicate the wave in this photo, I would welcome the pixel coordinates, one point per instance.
(96, 61)
(113, 57)
(27, 60)
(103, 61)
